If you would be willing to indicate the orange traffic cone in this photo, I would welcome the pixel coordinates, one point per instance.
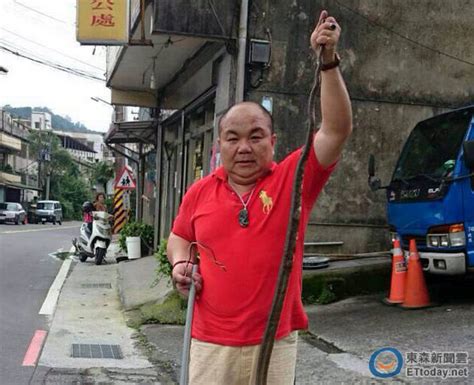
(399, 272)
(416, 293)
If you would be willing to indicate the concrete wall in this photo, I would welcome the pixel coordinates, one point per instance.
(394, 82)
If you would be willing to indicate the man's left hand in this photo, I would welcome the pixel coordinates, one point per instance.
(324, 35)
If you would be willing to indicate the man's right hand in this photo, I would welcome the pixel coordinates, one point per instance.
(181, 275)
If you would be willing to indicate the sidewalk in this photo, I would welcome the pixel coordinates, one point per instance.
(315, 358)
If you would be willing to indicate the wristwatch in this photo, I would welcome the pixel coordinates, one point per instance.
(331, 64)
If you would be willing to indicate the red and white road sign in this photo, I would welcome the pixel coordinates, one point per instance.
(125, 180)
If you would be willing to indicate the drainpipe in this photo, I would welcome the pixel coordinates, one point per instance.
(240, 86)
(140, 183)
(158, 183)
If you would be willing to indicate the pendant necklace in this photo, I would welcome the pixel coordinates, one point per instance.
(243, 213)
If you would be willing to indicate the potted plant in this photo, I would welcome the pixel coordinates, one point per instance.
(137, 232)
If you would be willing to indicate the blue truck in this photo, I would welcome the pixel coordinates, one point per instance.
(430, 197)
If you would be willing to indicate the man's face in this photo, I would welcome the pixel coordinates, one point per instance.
(246, 143)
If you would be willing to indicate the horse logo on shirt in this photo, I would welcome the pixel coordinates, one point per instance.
(267, 201)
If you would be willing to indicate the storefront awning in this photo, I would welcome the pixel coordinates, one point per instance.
(140, 131)
(19, 186)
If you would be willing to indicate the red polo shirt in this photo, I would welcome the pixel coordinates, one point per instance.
(233, 306)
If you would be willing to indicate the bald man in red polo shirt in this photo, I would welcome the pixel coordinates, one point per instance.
(237, 217)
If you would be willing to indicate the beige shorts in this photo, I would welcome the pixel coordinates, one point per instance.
(212, 364)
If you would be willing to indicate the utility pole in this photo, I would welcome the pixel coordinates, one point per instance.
(48, 179)
(40, 154)
(47, 158)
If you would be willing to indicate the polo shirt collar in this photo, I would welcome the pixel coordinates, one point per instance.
(221, 174)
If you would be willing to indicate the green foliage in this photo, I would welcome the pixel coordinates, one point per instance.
(163, 270)
(66, 184)
(71, 192)
(7, 168)
(332, 286)
(171, 311)
(102, 172)
(136, 229)
(109, 202)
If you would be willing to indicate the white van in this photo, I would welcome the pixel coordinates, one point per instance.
(49, 211)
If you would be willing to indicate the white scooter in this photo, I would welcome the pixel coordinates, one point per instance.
(94, 244)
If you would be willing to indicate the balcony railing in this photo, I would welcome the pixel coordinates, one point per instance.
(9, 178)
(9, 142)
(13, 127)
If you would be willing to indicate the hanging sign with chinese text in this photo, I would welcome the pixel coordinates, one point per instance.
(102, 22)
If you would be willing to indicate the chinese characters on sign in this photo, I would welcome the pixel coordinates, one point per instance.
(102, 14)
(437, 364)
(388, 362)
(102, 22)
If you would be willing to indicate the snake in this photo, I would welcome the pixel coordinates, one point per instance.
(291, 235)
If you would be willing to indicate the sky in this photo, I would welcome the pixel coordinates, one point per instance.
(45, 31)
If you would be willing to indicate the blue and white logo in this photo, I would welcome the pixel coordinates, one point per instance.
(386, 362)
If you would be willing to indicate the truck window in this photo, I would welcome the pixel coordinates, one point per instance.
(433, 147)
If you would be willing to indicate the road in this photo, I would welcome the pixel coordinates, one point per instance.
(26, 274)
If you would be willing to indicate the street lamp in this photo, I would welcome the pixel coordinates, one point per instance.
(97, 99)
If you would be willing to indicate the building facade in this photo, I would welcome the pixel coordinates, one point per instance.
(18, 167)
(207, 55)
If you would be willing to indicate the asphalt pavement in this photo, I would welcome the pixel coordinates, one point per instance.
(345, 342)
(26, 274)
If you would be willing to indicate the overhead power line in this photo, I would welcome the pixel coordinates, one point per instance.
(40, 13)
(50, 48)
(401, 35)
(56, 66)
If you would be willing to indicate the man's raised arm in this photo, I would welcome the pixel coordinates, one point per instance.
(336, 112)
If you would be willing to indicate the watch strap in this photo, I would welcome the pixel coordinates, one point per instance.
(331, 64)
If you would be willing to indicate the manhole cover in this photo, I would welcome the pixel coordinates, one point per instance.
(96, 351)
(315, 262)
(96, 286)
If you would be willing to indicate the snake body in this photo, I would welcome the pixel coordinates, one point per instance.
(290, 241)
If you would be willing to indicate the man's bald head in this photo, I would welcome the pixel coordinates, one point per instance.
(253, 106)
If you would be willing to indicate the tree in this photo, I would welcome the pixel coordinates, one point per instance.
(102, 173)
(66, 183)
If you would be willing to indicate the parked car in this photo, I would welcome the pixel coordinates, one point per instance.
(12, 212)
(49, 211)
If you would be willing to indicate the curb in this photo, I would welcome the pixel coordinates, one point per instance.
(326, 286)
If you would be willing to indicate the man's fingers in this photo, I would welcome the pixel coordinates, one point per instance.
(323, 40)
(197, 281)
(322, 16)
(182, 278)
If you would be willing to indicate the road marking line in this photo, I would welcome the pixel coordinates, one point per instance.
(34, 349)
(47, 229)
(49, 304)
